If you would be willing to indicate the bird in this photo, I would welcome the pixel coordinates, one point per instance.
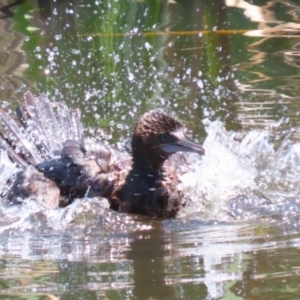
(149, 188)
(58, 170)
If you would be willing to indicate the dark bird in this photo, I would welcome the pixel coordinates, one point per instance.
(60, 165)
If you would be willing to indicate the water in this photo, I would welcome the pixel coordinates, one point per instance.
(230, 210)
(229, 70)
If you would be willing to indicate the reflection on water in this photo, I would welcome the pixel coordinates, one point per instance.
(231, 61)
(198, 260)
(274, 43)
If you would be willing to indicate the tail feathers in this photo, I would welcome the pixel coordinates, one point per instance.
(44, 128)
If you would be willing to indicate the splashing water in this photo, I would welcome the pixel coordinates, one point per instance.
(221, 175)
(7, 168)
(238, 178)
(242, 179)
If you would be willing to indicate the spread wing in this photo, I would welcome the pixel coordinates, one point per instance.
(40, 131)
(49, 138)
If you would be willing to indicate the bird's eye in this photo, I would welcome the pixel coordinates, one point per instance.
(164, 137)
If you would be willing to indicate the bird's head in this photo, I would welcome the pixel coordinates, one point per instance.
(158, 135)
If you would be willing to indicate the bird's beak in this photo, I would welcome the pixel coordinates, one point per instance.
(182, 145)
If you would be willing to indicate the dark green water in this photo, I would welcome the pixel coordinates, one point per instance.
(198, 60)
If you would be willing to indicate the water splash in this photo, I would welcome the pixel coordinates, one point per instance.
(7, 168)
(240, 177)
(222, 174)
(243, 177)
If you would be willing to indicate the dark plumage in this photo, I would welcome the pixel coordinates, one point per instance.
(149, 188)
(141, 185)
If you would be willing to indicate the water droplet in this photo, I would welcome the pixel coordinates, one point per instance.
(200, 84)
(147, 46)
(130, 76)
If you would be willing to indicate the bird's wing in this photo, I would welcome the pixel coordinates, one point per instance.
(42, 130)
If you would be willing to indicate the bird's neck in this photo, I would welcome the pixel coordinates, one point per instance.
(148, 164)
(150, 169)
(147, 160)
